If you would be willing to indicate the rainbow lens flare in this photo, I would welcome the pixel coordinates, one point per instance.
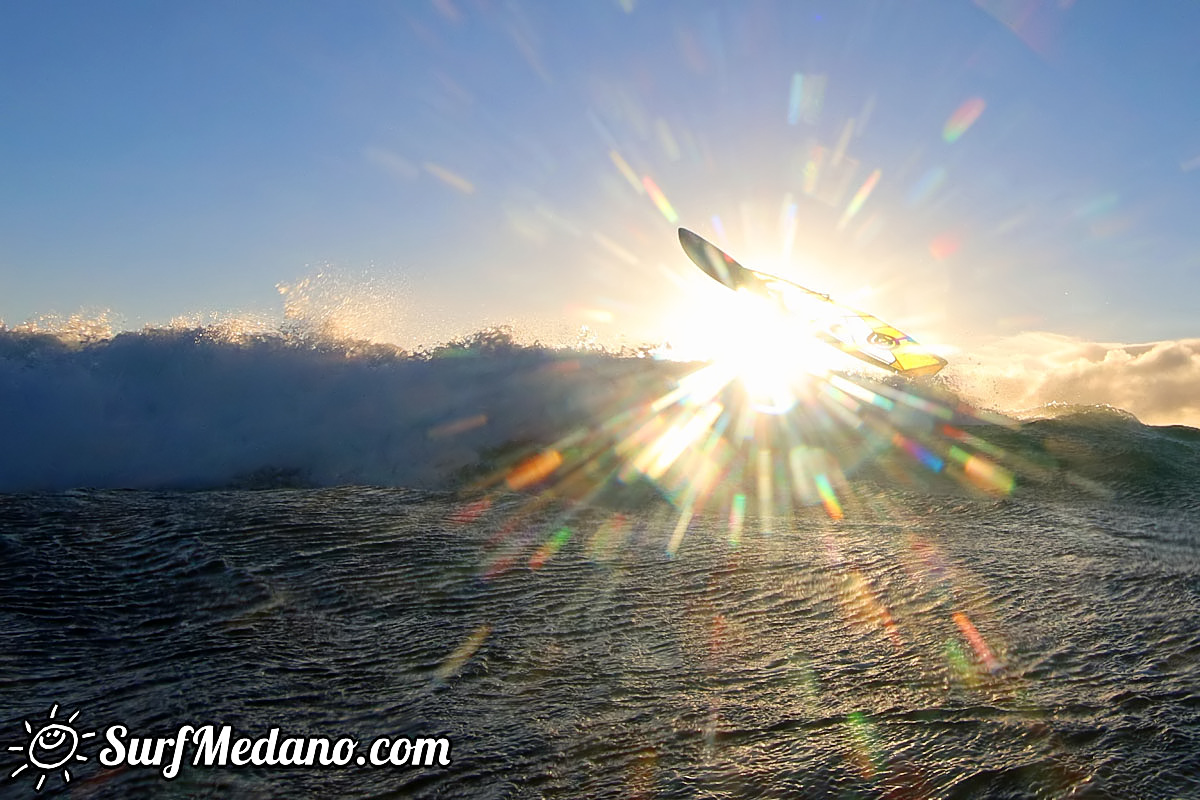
(962, 119)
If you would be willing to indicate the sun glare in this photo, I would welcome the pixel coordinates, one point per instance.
(754, 341)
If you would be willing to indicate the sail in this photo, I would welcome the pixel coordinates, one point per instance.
(854, 332)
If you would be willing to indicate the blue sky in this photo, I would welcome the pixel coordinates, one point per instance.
(161, 159)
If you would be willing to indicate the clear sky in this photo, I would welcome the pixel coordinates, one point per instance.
(1036, 164)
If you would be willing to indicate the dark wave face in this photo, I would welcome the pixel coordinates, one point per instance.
(187, 409)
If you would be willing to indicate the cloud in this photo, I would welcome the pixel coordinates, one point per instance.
(1159, 382)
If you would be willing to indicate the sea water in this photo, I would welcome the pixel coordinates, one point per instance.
(615, 635)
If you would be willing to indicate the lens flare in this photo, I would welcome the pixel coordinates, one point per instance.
(547, 551)
(626, 171)
(660, 200)
(737, 518)
(462, 654)
(719, 229)
(828, 498)
(983, 473)
(977, 642)
(962, 119)
(943, 246)
(451, 179)
(534, 469)
(860, 197)
(795, 97)
(926, 186)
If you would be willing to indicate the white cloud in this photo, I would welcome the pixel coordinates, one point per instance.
(1158, 381)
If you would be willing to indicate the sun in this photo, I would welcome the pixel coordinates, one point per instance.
(754, 341)
(50, 748)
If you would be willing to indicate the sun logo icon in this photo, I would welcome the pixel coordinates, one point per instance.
(50, 748)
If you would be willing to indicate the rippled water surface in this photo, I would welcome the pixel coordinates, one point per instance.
(929, 648)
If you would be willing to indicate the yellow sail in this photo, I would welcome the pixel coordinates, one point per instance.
(856, 333)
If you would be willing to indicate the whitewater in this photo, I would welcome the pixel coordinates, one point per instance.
(596, 574)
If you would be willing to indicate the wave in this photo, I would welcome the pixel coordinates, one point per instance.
(1109, 447)
(201, 408)
(196, 408)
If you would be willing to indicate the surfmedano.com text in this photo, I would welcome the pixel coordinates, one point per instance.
(219, 747)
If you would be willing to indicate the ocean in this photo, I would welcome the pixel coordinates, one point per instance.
(591, 574)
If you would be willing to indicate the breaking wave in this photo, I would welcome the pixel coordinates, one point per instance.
(197, 408)
(203, 408)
